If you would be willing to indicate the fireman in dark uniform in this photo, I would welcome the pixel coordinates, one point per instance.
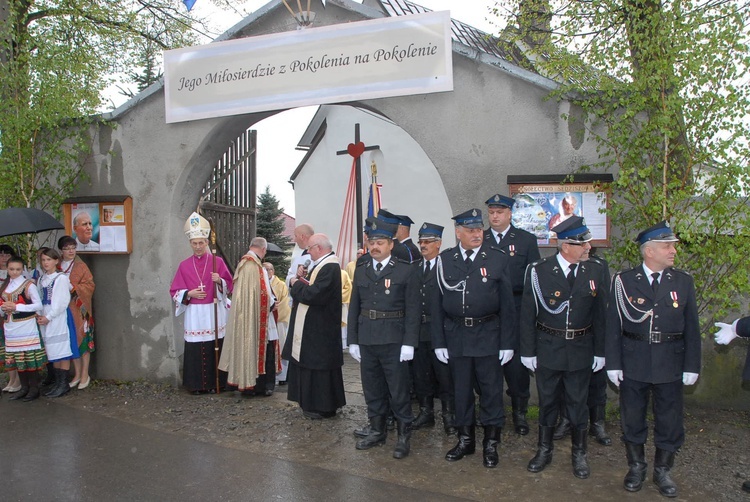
(400, 250)
(562, 337)
(473, 332)
(383, 322)
(653, 348)
(403, 235)
(521, 248)
(428, 371)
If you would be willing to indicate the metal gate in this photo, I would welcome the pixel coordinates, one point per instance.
(229, 200)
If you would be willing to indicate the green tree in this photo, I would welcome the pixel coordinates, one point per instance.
(662, 86)
(56, 58)
(270, 225)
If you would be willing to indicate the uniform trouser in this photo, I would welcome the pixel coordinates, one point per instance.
(268, 381)
(598, 389)
(517, 376)
(385, 379)
(428, 370)
(669, 433)
(487, 373)
(554, 386)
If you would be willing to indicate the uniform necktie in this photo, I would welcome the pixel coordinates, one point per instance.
(572, 274)
(655, 281)
(378, 268)
(469, 252)
(427, 267)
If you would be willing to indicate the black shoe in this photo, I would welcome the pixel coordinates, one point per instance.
(466, 444)
(32, 395)
(61, 384)
(581, 467)
(596, 425)
(563, 428)
(402, 443)
(426, 416)
(363, 431)
(637, 463)
(17, 396)
(490, 457)
(376, 437)
(544, 450)
(520, 425)
(663, 462)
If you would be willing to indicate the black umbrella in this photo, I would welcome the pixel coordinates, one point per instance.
(26, 220)
(273, 248)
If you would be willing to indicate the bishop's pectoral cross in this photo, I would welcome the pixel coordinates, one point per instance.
(356, 150)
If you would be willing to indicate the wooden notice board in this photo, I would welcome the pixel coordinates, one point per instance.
(100, 224)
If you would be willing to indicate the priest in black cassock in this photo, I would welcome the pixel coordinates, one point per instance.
(313, 343)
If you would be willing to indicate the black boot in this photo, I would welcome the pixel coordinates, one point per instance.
(466, 444)
(23, 376)
(596, 425)
(390, 422)
(61, 384)
(449, 417)
(50, 378)
(563, 427)
(520, 405)
(544, 450)
(377, 434)
(426, 416)
(580, 462)
(402, 443)
(663, 462)
(33, 379)
(489, 446)
(363, 431)
(637, 463)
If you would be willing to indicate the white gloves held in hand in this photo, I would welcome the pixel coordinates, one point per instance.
(726, 333)
(505, 356)
(529, 362)
(598, 364)
(354, 352)
(442, 355)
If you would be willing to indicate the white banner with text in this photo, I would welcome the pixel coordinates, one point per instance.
(364, 60)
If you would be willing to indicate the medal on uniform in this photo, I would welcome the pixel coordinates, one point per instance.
(512, 249)
(557, 293)
(641, 301)
(592, 285)
(673, 294)
(552, 301)
(387, 286)
(483, 271)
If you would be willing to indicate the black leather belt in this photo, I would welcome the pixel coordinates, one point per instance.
(654, 336)
(470, 322)
(568, 334)
(426, 318)
(378, 314)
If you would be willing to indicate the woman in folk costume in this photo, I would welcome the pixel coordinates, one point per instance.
(81, 298)
(197, 281)
(19, 303)
(251, 356)
(56, 321)
(7, 363)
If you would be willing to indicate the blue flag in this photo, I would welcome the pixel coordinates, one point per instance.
(189, 4)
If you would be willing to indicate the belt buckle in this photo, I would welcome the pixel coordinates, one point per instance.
(655, 337)
(373, 314)
(469, 322)
(570, 334)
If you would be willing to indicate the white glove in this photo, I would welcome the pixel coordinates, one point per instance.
(598, 364)
(529, 362)
(407, 353)
(689, 378)
(354, 352)
(726, 332)
(442, 355)
(615, 376)
(505, 356)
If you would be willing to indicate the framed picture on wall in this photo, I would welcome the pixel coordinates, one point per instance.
(100, 225)
(542, 202)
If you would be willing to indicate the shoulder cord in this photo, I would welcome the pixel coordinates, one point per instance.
(540, 298)
(459, 286)
(623, 302)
